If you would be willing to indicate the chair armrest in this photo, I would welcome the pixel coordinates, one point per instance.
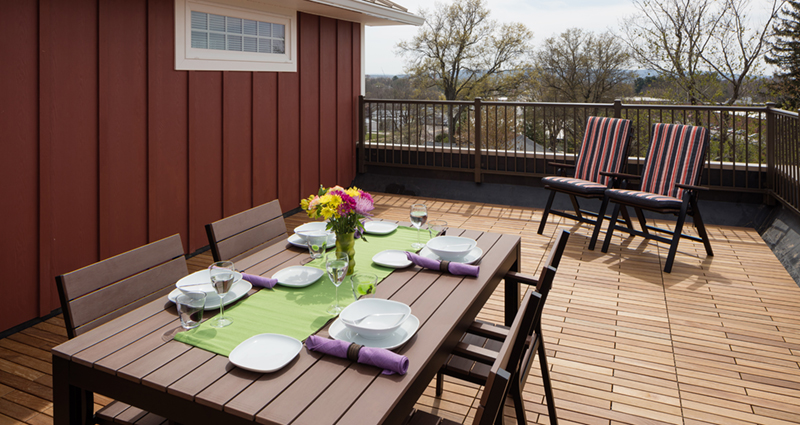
(619, 175)
(521, 278)
(561, 165)
(691, 187)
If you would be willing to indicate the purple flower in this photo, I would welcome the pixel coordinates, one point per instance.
(364, 204)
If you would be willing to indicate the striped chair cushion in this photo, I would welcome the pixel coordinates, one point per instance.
(604, 148)
(675, 156)
(644, 199)
(574, 185)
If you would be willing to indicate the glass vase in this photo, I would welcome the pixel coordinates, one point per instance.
(346, 242)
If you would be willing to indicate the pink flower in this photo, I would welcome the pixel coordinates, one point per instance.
(348, 204)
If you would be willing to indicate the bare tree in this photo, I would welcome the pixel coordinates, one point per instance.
(579, 66)
(464, 53)
(695, 42)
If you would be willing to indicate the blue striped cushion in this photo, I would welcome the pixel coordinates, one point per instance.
(645, 199)
(604, 148)
(675, 156)
(574, 185)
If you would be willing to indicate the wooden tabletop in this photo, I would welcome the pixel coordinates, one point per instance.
(134, 359)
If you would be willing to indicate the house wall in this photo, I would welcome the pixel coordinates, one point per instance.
(105, 147)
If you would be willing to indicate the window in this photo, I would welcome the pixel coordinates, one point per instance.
(212, 36)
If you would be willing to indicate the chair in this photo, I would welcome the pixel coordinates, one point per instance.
(96, 294)
(499, 376)
(604, 149)
(483, 337)
(245, 233)
(668, 186)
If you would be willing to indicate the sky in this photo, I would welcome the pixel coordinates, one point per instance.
(545, 18)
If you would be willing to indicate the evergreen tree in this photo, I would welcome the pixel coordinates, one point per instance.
(785, 54)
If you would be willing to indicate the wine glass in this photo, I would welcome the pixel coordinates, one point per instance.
(419, 215)
(222, 275)
(336, 265)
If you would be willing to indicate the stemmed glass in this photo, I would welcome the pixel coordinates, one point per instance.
(222, 275)
(419, 215)
(336, 266)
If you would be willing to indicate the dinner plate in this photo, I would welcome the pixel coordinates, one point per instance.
(474, 255)
(379, 227)
(399, 337)
(393, 258)
(300, 243)
(200, 281)
(238, 290)
(298, 276)
(265, 352)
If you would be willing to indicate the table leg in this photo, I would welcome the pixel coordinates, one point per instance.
(71, 405)
(512, 292)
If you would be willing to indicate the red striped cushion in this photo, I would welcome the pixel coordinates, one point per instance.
(644, 199)
(675, 156)
(574, 185)
(604, 148)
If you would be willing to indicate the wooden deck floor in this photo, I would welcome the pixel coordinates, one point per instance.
(715, 341)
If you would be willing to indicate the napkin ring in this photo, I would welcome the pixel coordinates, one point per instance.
(352, 351)
(443, 266)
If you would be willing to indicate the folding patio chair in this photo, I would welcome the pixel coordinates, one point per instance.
(604, 149)
(242, 234)
(669, 181)
(471, 359)
(499, 376)
(98, 293)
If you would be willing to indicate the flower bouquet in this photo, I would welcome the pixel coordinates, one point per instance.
(344, 210)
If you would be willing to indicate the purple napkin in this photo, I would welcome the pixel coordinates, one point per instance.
(390, 362)
(261, 281)
(458, 269)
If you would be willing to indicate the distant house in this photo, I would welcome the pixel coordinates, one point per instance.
(524, 144)
(123, 122)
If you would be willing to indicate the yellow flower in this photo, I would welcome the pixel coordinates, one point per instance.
(329, 211)
(354, 192)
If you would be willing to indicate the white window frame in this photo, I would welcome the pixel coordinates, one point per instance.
(189, 58)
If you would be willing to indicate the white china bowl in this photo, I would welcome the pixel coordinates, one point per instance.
(451, 248)
(392, 315)
(310, 227)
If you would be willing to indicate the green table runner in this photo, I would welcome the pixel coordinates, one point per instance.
(296, 312)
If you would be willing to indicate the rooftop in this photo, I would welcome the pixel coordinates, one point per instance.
(715, 341)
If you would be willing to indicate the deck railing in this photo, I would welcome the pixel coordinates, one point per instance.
(753, 148)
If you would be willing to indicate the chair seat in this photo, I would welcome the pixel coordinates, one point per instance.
(571, 184)
(118, 412)
(421, 417)
(645, 199)
(471, 370)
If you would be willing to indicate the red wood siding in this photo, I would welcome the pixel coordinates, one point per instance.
(107, 147)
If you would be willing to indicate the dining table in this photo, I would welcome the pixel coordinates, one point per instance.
(138, 359)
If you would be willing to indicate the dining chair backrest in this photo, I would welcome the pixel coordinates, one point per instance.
(244, 233)
(556, 252)
(497, 383)
(675, 156)
(98, 293)
(604, 148)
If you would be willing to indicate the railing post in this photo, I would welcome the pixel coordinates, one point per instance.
(770, 152)
(478, 127)
(362, 167)
(617, 108)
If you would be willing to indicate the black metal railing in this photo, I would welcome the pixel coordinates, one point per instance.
(753, 148)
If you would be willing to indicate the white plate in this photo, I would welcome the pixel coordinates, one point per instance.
(298, 276)
(200, 281)
(238, 290)
(265, 353)
(379, 227)
(470, 258)
(399, 337)
(301, 243)
(392, 258)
